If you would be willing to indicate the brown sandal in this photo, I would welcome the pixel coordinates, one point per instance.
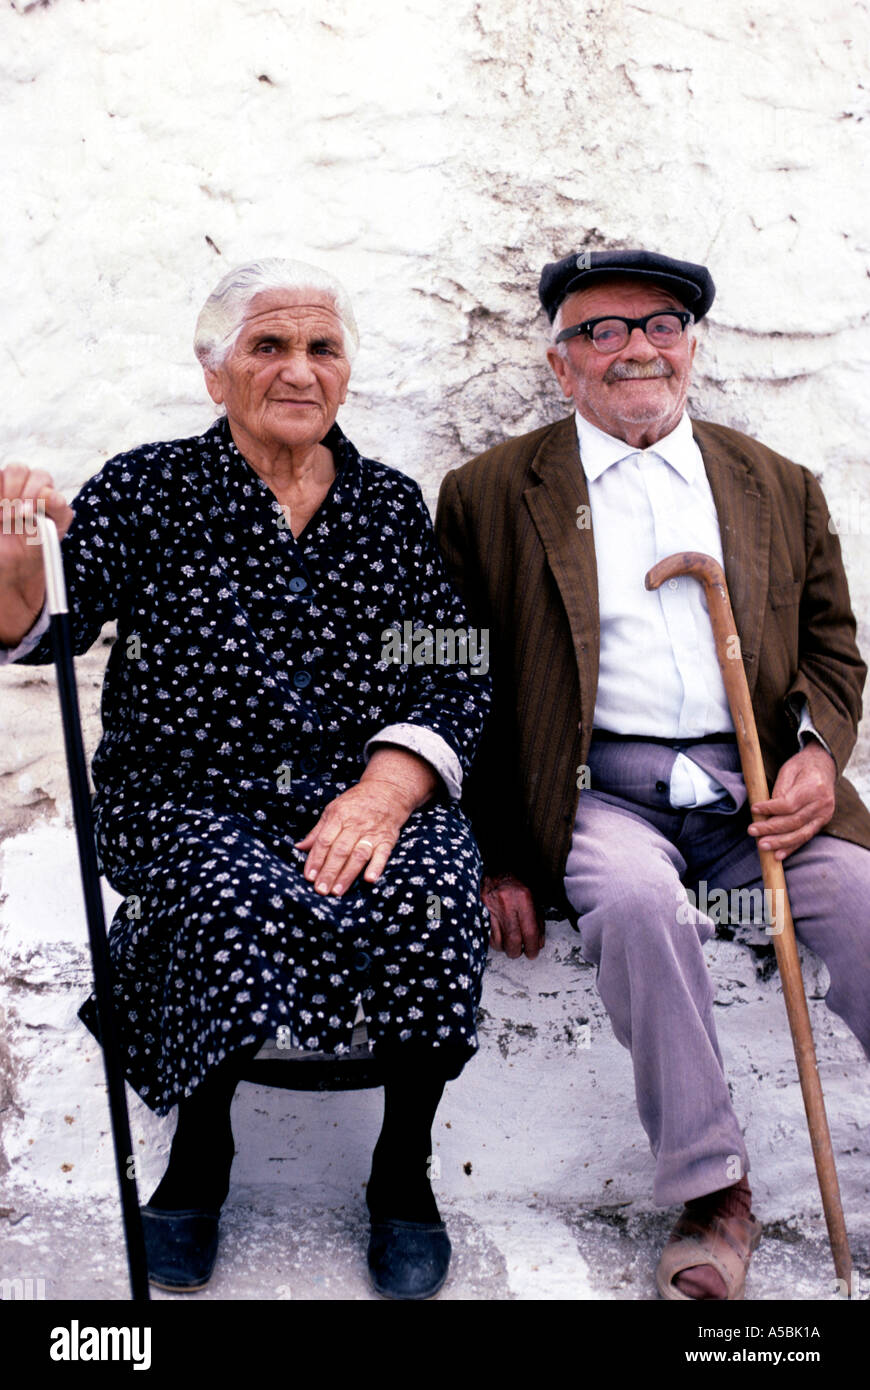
(725, 1242)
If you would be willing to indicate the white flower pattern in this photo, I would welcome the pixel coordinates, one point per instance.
(276, 664)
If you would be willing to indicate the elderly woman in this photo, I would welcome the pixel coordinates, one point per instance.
(277, 782)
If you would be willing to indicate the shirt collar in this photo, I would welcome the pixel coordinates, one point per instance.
(598, 451)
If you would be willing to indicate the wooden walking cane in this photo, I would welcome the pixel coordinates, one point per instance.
(709, 573)
(78, 780)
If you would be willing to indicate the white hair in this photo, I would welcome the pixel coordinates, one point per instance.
(561, 348)
(221, 317)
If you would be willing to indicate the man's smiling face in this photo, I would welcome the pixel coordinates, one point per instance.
(639, 393)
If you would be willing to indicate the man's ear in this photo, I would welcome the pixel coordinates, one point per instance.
(214, 385)
(560, 367)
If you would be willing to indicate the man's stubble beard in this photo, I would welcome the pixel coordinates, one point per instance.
(640, 414)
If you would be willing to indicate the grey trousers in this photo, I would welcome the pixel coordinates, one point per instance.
(632, 859)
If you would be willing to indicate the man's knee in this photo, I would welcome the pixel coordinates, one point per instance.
(644, 917)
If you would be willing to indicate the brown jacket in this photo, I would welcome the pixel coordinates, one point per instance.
(508, 525)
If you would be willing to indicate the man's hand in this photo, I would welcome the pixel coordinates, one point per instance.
(361, 826)
(802, 802)
(515, 923)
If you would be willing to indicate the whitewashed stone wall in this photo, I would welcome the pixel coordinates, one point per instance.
(433, 154)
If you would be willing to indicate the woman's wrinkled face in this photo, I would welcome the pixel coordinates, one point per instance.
(287, 372)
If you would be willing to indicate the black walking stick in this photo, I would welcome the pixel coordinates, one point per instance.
(78, 780)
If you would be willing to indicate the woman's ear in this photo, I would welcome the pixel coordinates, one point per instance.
(214, 385)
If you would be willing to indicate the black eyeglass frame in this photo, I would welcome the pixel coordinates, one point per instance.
(631, 324)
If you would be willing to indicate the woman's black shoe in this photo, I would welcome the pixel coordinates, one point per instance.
(181, 1247)
(408, 1259)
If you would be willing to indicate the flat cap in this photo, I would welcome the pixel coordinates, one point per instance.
(691, 284)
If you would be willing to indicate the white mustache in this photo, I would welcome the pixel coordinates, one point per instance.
(638, 371)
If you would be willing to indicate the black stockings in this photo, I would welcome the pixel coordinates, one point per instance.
(198, 1175)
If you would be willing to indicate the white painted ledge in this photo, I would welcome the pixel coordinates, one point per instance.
(545, 1173)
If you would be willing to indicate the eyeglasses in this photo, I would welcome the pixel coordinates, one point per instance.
(663, 329)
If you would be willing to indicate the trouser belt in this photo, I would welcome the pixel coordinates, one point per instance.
(610, 737)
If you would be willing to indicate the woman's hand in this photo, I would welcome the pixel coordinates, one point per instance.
(23, 493)
(361, 826)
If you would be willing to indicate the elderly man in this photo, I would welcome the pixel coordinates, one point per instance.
(605, 689)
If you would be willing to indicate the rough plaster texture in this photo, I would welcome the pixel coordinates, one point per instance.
(433, 156)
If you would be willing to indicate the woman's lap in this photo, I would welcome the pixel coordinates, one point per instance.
(215, 944)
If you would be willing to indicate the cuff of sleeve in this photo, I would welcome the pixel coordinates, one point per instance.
(29, 640)
(806, 730)
(426, 744)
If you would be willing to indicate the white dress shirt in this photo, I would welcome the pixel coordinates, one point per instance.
(658, 671)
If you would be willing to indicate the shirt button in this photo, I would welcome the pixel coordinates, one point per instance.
(661, 786)
(301, 679)
(297, 584)
(673, 583)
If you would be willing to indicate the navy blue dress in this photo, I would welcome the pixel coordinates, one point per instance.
(247, 675)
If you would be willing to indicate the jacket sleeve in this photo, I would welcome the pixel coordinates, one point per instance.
(491, 796)
(831, 673)
(448, 688)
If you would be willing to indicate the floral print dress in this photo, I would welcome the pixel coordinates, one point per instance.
(248, 675)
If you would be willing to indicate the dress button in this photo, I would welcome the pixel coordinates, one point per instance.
(309, 765)
(362, 961)
(301, 679)
(661, 786)
(297, 584)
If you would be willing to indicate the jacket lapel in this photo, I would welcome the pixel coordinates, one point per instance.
(561, 498)
(743, 506)
(559, 507)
